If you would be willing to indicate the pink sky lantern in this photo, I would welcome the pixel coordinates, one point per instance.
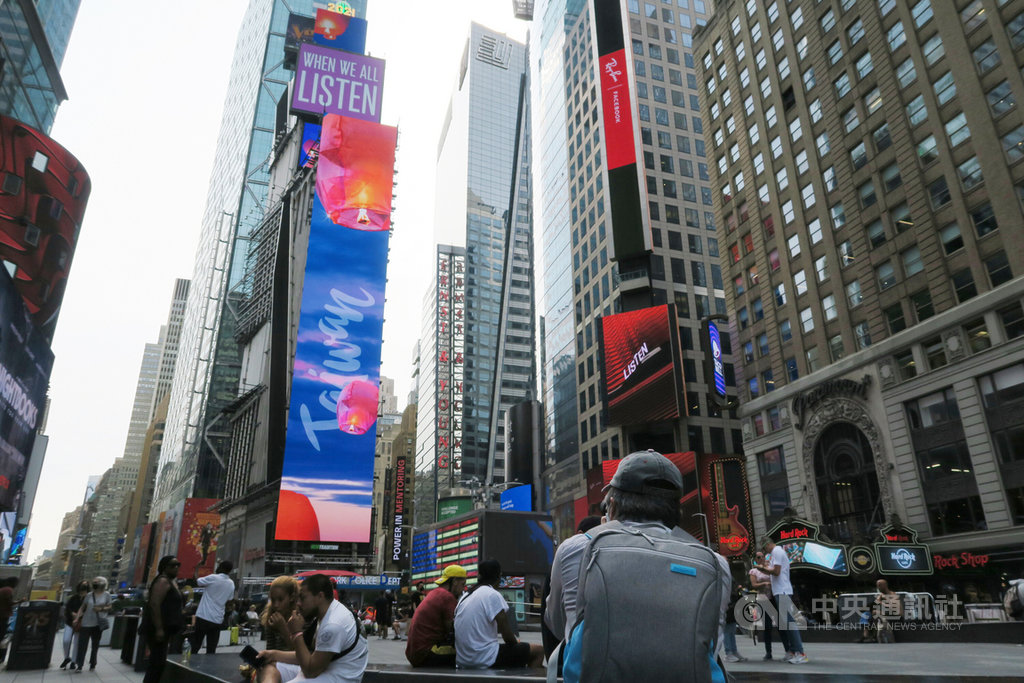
(357, 407)
(356, 173)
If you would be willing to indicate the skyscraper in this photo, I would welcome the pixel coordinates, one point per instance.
(554, 19)
(484, 205)
(868, 190)
(681, 267)
(196, 441)
(33, 39)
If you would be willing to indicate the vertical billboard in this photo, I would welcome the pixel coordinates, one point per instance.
(329, 81)
(197, 544)
(327, 474)
(727, 504)
(43, 193)
(623, 171)
(449, 378)
(399, 517)
(641, 364)
(25, 364)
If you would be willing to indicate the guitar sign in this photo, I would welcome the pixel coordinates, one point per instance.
(733, 537)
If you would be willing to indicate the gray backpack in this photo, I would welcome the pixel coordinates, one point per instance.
(648, 608)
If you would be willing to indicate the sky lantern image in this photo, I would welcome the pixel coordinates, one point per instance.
(356, 171)
(357, 407)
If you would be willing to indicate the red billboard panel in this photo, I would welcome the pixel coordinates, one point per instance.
(197, 544)
(43, 193)
(690, 505)
(642, 378)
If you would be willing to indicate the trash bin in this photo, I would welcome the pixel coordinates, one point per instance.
(34, 631)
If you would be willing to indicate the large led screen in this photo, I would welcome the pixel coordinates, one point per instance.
(624, 179)
(327, 475)
(25, 364)
(330, 29)
(333, 82)
(521, 542)
(43, 193)
(455, 543)
(642, 381)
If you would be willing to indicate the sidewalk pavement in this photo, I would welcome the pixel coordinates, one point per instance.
(848, 660)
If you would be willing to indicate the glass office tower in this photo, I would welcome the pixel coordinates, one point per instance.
(485, 205)
(553, 19)
(195, 446)
(33, 39)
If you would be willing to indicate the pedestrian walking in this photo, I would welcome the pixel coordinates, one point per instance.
(71, 607)
(760, 581)
(732, 653)
(92, 620)
(383, 606)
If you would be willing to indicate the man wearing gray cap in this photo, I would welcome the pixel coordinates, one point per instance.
(643, 499)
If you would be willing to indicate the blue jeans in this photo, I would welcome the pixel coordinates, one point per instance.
(729, 637)
(789, 630)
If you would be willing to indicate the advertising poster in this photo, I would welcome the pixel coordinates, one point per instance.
(197, 545)
(626, 188)
(25, 364)
(327, 475)
(42, 202)
(332, 82)
(34, 632)
(310, 145)
(518, 498)
(727, 504)
(640, 360)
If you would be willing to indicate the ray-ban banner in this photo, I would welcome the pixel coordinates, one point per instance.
(327, 477)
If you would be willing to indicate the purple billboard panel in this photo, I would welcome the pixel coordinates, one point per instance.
(327, 475)
(333, 82)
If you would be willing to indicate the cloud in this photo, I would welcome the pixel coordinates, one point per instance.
(330, 490)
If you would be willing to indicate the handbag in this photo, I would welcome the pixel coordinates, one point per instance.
(103, 622)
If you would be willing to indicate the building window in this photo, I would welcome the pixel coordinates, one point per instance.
(811, 355)
(905, 72)
(886, 275)
(927, 150)
(876, 233)
(1000, 99)
(998, 268)
(912, 261)
(854, 294)
(921, 302)
(807, 320)
(958, 132)
(951, 238)
(1012, 318)
(986, 56)
(933, 410)
(978, 338)
(891, 178)
(938, 193)
(792, 372)
(970, 174)
(963, 285)
(945, 88)
(785, 330)
(933, 50)
(835, 348)
(862, 334)
(905, 365)
(1013, 144)
(973, 16)
(895, 36)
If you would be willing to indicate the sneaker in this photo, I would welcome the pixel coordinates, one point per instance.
(740, 658)
(732, 658)
(64, 664)
(800, 658)
(766, 658)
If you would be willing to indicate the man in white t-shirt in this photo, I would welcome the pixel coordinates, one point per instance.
(218, 588)
(777, 568)
(479, 618)
(338, 653)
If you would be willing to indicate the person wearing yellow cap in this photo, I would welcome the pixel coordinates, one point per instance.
(431, 634)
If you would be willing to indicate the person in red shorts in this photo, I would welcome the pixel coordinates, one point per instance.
(431, 641)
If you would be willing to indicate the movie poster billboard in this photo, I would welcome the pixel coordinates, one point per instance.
(25, 364)
(197, 543)
(43, 193)
(641, 363)
(327, 474)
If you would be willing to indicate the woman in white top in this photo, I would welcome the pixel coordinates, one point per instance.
(92, 616)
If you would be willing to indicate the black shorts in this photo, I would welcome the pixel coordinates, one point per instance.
(512, 656)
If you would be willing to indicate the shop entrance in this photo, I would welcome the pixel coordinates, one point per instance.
(844, 471)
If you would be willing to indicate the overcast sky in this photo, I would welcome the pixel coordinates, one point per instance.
(146, 84)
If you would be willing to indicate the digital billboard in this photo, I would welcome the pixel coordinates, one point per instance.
(197, 543)
(522, 543)
(717, 362)
(43, 193)
(399, 518)
(642, 378)
(518, 498)
(727, 504)
(806, 550)
(449, 376)
(333, 82)
(330, 29)
(455, 543)
(25, 364)
(327, 474)
(310, 145)
(623, 172)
